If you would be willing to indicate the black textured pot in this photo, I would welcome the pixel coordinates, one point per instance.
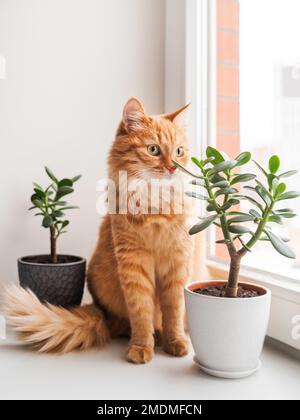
(61, 284)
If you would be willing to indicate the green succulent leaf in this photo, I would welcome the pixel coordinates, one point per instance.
(280, 245)
(255, 214)
(261, 192)
(252, 201)
(62, 223)
(47, 221)
(221, 167)
(221, 184)
(250, 188)
(275, 218)
(193, 194)
(210, 208)
(243, 158)
(65, 183)
(76, 178)
(58, 203)
(51, 175)
(284, 211)
(226, 191)
(286, 215)
(287, 174)
(223, 241)
(265, 238)
(217, 178)
(39, 193)
(274, 163)
(237, 213)
(241, 219)
(280, 189)
(36, 200)
(207, 161)
(197, 182)
(231, 202)
(203, 225)
(62, 191)
(37, 186)
(289, 195)
(263, 188)
(241, 230)
(242, 178)
(211, 152)
(272, 181)
(69, 208)
(37, 203)
(234, 201)
(197, 162)
(261, 168)
(57, 213)
(183, 169)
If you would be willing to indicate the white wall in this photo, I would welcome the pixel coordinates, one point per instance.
(175, 94)
(71, 65)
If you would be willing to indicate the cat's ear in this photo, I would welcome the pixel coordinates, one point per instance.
(133, 115)
(179, 117)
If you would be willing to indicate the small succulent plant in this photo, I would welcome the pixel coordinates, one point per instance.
(50, 206)
(221, 181)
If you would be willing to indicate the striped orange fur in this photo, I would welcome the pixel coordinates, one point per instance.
(141, 262)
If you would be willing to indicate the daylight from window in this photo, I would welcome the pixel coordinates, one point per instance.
(269, 75)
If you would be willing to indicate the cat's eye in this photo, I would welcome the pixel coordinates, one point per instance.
(153, 150)
(179, 152)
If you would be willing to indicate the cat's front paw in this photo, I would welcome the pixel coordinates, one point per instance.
(139, 354)
(176, 347)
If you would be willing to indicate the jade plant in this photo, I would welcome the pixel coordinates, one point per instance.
(219, 177)
(50, 206)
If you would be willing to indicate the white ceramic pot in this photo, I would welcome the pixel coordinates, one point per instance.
(227, 334)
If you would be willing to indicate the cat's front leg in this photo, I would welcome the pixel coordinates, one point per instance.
(172, 305)
(136, 273)
(138, 289)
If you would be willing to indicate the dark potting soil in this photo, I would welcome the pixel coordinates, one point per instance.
(219, 291)
(46, 259)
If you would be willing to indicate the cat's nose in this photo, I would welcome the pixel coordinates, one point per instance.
(171, 169)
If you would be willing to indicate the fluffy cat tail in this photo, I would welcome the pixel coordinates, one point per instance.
(50, 328)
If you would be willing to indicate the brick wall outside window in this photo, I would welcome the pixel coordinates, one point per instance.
(228, 91)
(228, 106)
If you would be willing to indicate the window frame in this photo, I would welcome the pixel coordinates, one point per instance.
(200, 89)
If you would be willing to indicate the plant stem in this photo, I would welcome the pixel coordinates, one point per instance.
(259, 229)
(230, 245)
(53, 244)
(235, 258)
(233, 278)
(210, 192)
(229, 242)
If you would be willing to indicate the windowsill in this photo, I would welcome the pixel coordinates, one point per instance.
(104, 374)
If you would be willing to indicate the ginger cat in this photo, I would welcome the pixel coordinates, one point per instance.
(140, 265)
